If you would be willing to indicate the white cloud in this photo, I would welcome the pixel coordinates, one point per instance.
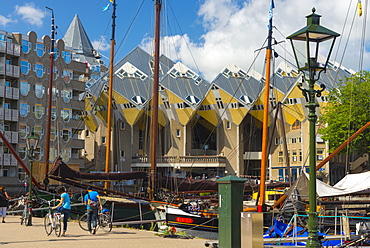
(101, 44)
(234, 30)
(30, 14)
(4, 20)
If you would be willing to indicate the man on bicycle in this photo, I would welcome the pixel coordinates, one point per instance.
(93, 204)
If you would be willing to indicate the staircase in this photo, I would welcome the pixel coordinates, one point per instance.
(356, 165)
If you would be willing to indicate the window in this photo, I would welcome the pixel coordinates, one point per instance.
(55, 72)
(281, 174)
(320, 154)
(67, 95)
(122, 125)
(300, 155)
(122, 154)
(103, 139)
(228, 125)
(38, 110)
(219, 102)
(66, 114)
(294, 140)
(139, 100)
(40, 49)
(55, 53)
(166, 103)
(25, 46)
(278, 141)
(178, 133)
(281, 157)
(66, 134)
(53, 113)
(294, 156)
(22, 151)
(23, 130)
(24, 108)
(87, 133)
(55, 93)
(39, 90)
(67, 75)
(246, 99)
(37, 129)
(53, 133)
(95, 68)
(192, 99)
(52, 152)
(24, 87)
(25, 66)
(66, 154)
(67, 56)
(39, 69)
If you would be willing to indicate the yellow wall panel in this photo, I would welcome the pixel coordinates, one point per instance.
(210, 115)
(238, 115)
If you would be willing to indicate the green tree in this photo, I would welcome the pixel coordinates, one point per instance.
(347, 111)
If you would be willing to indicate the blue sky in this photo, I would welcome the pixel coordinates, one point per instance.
(206, 35)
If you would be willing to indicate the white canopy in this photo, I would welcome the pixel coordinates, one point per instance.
(351, 183)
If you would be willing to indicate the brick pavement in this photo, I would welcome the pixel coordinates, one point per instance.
(12, 234)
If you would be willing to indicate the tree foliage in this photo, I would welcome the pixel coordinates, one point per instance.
(347, 111)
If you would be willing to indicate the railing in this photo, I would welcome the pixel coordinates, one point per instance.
(10, 48)
(9, 70)
(181, 159)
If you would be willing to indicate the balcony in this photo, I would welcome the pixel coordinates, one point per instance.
(11, 136)
(181, 161)
(8, 160)
(9, 92)
(9, 48)
(9, 114)
(9, 70)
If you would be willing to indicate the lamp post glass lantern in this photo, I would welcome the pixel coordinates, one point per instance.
(31, 143)
(312, 46)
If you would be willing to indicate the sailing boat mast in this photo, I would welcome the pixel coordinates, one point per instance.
(50, 94)
(154, 129)
(261, 204)
(110, 95)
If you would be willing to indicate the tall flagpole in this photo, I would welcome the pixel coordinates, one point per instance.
(110, 96)
(261, 205)
(50, 94)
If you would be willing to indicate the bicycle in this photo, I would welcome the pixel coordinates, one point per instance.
(52, 221)
(104, 221)
(27, 212)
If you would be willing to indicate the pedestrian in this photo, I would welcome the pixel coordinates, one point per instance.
(4, 202)
(64, 206)
(93, 204)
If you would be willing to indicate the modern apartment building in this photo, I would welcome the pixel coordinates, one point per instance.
(24, 86)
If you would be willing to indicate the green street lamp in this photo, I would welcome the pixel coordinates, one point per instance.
(311, 39)
(31, 142)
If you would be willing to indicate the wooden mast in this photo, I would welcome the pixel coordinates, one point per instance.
(110, 96)
(50, 94)
(154, 129)
(261, 204)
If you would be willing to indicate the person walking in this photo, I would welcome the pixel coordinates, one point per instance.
(93, 204)
(4, 202)
(64, 206)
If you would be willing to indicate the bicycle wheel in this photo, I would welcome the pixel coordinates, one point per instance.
(58, 226)
(48, 224)
(105, 223)
(83, 222)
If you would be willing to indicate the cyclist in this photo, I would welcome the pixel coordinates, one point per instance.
(93, 203)
(64, 206)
